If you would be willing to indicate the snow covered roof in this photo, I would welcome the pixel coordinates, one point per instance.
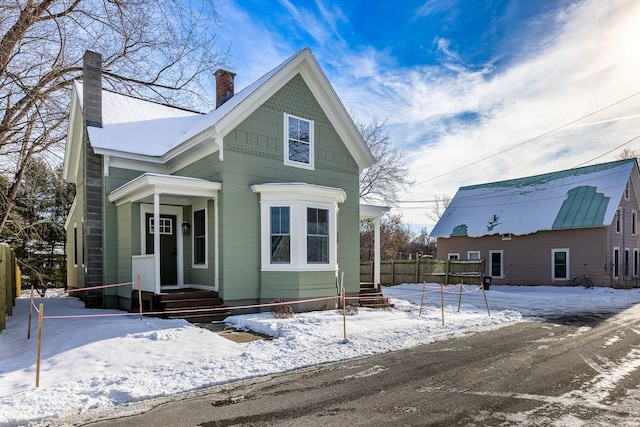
(583, 197)
(138, 129)
(137, 126)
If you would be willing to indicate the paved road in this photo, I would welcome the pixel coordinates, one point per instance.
(569, 371)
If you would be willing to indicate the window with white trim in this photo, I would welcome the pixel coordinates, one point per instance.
(473, 255)
(636, 260)
(496, 264)
(317, 236)
(560, 264)
(627, 191)
(619, 220)
(615, 264)
(298, 226)
(298, 142)
(199, 228)
(634, 222)
(75, 244)
(280, 235)
(627, 253)
(453, 256)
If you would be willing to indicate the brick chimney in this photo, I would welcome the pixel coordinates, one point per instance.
(224, 86)
(92, 88)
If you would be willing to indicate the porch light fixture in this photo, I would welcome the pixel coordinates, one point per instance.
(186, 227)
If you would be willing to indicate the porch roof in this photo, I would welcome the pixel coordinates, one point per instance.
(178, 190)
(373, 211)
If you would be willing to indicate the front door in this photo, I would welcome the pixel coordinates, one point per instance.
(168, 247)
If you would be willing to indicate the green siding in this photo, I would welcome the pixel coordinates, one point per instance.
(254, 154)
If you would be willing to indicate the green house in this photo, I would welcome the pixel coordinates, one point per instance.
(256, 200)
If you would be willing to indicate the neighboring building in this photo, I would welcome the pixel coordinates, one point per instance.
(547, 229)
(248, 199)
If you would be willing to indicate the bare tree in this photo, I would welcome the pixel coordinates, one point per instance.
(382, 181)
(162, 49)
(628, 154)
(441, 204)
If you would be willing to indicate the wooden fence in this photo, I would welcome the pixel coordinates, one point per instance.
(448, 272)
(9, 283)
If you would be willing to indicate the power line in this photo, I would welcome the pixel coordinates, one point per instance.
(533, 139)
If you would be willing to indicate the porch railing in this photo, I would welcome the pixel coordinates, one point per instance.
(143, 266)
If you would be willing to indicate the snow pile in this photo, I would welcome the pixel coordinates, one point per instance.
(91, 365)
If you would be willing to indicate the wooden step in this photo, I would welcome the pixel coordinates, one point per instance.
(191, 302)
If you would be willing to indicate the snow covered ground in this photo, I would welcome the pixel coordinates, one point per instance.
(91, 365)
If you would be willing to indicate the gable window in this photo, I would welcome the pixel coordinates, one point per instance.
(298, 223)
(280, 235)
(619, 220)
(560, 264)
(626, 191)
(298, 146)
(199, 236)
(473, 255)
(496, 268)
(634, 222)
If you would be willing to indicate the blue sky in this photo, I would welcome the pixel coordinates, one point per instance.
(472, 91)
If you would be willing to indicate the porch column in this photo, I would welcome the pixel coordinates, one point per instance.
(156, 239)
(215, 245)
(376, 243)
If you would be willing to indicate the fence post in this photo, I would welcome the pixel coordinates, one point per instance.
(417, 269)
(393, 274)
(40, 316)
(446, 274)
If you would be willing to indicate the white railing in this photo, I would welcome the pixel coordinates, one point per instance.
(143, 266)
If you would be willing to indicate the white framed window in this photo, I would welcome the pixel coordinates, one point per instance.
(280, 223)
(75, 244)
(199, 221)
(453, 256)
(626, 262)
(627, 191)
(636, 262)
(317, 236)
(298, 142)
(506, 236)
(299, 226)
(634, 222)
(496, 264)
(473, 255)
(560, 264)
(615, 263)
(619, 220)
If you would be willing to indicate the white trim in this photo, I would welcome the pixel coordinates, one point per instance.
(501, 252)
(198, 207)
(473, 252)
(75, 244)
(634, 222)
(636, 263)
(454, 256)
(298, 197)
(618, 220)
(615, 265)
(72, 212)
(553, 265)
(626, 263)
(293, 163)
(216, 251)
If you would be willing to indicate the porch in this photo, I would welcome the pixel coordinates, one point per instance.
(193, 305)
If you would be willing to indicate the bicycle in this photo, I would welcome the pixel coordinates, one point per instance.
(582, 280)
